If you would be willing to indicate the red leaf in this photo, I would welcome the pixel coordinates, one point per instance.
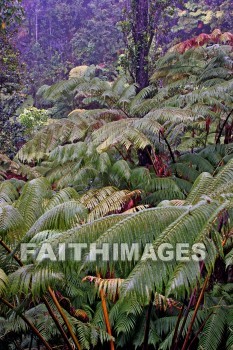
(203, 39)
(226, 37)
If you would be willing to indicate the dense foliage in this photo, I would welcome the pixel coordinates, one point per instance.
(57, 35)
(11, 96)
(110, 162)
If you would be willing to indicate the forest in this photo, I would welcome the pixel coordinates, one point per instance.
(116, 175)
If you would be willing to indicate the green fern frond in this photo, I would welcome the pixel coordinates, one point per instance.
(214, 330)
(224, 177)
(200, 163)
(30, 203)
(229, 259)
(31, 280)
(185, 172)
(3, 282)
(120, 173)
(142, 226)
(112, 204)
(184, 229)
(8, 193)
(160, 195)
(62, 87)
(72, 152)
(104, 163)
(53, 135)
(93, 197)
(127, 132)
(175, 115)
(64, 195)
(61, 217)
(11, 221)
(91, 117)
(199, 188)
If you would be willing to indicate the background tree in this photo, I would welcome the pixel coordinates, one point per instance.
(58, 35)
(10, 10)
(10, 87)
(145, 21)
(203, 17)
(151, 27)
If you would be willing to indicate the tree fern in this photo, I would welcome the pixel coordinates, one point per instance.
(30, 203)
(28, 279)
(60, 217)
(212, 339)
(191, 223)
(3, 282)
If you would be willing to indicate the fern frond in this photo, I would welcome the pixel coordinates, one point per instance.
(11, 221)
(199, 188)
(30, 203)
(72, 152)
(186, 227)
(31, 280)
(65, 86)
(8, 193)
(64, 195)
(175, 115)
(214, 329)
(140, 227)
(110, 286)
(112, 204)
(200, 163)
(3, 282)
(61, 217)
(53, 135)
(120, 173)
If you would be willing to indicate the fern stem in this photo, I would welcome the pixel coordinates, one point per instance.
(121, 154)
(184, 347)
(30, 346)
(106, 316)
(169, 147)
(153, 164)
(147, 329)
(222, 128)
(56, 321)
(185, 319)
(18, 260)
(15, 257)
(177, 325)
(30, 325)
(121, 109)
(65, 319)
(176, 341)
(198, 304)
(199, 331)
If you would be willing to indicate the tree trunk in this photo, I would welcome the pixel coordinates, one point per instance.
(140, 32)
